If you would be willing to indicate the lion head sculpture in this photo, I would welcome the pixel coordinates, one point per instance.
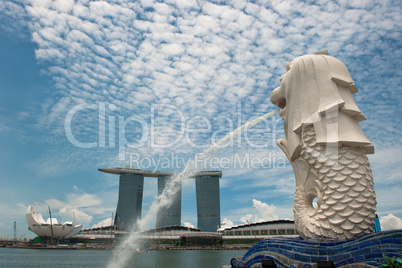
(313, 86)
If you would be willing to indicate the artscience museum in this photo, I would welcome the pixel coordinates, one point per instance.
(50, 228)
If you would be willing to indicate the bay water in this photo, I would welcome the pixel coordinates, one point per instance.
(22, 257)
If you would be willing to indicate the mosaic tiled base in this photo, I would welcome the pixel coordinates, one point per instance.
(365, 251)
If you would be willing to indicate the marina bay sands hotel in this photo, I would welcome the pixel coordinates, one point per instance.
(129, 205)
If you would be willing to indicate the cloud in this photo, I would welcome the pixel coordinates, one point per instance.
(58, 209)
(83, 200)
(103, 223)
(265, 212)
(390, 222)
(226, 223)
(78, 207)
(251, 219)
(203, 58)
(187, 224)
(79, 216)
(14, 18)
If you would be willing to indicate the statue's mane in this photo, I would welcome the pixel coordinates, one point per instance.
(319, 90)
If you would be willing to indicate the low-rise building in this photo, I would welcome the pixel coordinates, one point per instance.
(259, 230)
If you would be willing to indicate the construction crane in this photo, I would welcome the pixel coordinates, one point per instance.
(252, 232)
(15, 232)
(51, 224)
(19, 239)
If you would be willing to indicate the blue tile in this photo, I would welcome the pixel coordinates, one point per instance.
(364, 249)
(341, 263)
(359, 258)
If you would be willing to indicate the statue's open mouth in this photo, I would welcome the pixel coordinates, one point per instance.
(282, 113)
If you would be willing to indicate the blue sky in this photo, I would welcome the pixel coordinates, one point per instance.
(80, 79)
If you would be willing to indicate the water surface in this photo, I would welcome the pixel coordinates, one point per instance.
(20, 257)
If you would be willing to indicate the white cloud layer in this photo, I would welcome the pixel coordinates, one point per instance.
(103, 223)
(226, 223)
(262, 212)
(205, 58)
(78, 207)
(187, 224)
(390, 222)
(265, 211)
(210, 55)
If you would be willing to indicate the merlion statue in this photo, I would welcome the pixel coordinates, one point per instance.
(327, 149)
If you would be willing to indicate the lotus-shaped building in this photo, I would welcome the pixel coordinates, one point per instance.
(50, 228)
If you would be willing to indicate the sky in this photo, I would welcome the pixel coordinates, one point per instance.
(97, 84)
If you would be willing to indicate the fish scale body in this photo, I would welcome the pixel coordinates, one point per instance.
(343, 178)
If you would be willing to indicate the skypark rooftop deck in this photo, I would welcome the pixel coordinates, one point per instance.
(155, 174)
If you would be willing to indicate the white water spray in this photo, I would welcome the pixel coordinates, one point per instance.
(125, 250)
